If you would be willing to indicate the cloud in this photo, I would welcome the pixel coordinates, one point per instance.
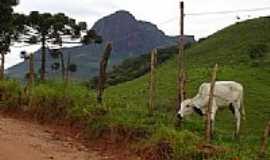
(158, 12)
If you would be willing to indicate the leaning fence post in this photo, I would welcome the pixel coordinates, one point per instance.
(152, 80)
(102, 72)
(208, 123)
(264, 143)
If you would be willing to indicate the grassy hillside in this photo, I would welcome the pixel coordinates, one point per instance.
(229, 48)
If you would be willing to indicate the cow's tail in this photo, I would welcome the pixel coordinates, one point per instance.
(243, 111)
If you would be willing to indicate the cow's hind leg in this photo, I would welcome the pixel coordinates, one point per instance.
(231, 107)
(237, 115)
(213, 117)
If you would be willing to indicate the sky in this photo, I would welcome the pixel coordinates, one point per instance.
(163, 13)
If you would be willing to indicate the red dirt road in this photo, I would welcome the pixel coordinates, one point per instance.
(21, 140)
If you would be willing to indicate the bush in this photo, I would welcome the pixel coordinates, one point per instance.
(167, 143)
(257, 53)
(54, 100)
(10, 93)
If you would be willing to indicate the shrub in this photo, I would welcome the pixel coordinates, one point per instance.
(54, 100)
(167, 143)
(10, 93)
(257, 53)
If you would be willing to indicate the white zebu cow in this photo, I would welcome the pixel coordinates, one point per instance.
(226, 94)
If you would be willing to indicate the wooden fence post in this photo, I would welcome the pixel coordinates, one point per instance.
(181, 70)
(31, 70)
(264, 144)
(181, 76)
(102, 72)
(208, 122)
(43, 58)
(67, 71)
(63, 68)
(152, 80)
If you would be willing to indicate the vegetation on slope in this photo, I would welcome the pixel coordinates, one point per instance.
(230, 49)
(124, 113)
(133, 68)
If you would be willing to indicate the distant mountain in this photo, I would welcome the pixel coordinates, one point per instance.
(129, 36)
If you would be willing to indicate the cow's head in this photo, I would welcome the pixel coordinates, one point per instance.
(187, 108)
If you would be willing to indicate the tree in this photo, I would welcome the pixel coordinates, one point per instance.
(19, 21)
(83, 25)
(42, 23)
(6, 30)
(50, 29)
(89, 38)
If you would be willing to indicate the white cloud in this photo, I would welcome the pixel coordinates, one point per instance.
(158, 12)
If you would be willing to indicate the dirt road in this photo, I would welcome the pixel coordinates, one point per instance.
(21, 140)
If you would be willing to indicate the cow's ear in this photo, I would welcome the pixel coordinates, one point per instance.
(198, 111)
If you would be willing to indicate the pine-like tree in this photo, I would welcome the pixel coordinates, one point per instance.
(6, 30)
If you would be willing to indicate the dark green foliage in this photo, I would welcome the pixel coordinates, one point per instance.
(32, 40)
(5, 40)
(33, 18)
(72, 22)
(6, 24)
(133, 68)
(92, 37)
(55, 53)
(91, 34)
(55, 66)
(6, 17)
(72, 67)
(257, 51)
(44, 22)
(19, 21)
(77, 31)
(83, 25)
(98, 39)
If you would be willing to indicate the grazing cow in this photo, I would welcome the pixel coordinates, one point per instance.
(226, 94)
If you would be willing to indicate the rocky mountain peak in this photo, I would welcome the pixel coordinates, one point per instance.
(129, 35)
